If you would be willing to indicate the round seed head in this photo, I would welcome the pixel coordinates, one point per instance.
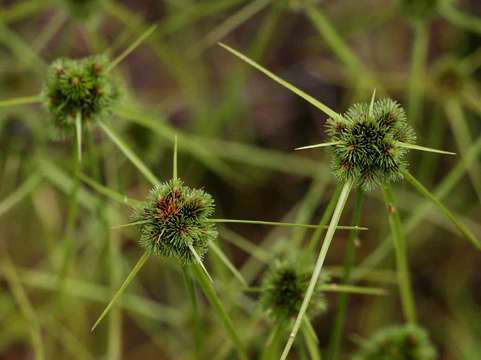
(283, 289)
(419, 9)
(368, 149)
(79, 86)
(176, 218)
(407, 342)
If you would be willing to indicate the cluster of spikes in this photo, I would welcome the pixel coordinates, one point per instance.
(175, 221)
(407, 342)
(283, 289)
(81, 87)
(367, 143)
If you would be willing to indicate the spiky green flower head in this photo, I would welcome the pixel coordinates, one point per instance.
(283, 289)
(367, 143)
(175, 220)
(81, 86)
(449, 77)
(419, 9)
(407, 342)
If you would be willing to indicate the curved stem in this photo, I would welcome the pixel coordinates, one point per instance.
(318, 267)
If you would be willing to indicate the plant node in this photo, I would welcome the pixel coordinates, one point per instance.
(175, 219)
(79, 86)
(407, 342)
(367, 143)
(283, 290)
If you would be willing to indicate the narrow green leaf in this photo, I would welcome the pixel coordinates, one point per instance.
(324, 108)
(199, 261)
(21, 101)
(459, 225)
(220, 254)
(132, 47)
(129, 153)
(130, 224)
(210, 293)
(318, 145)
(122, 288)
(423, 148)
(283, 224)
(361, 290)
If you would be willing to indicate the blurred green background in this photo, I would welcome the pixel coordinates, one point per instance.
(237, 131)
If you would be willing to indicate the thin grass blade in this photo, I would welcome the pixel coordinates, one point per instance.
(228, 263)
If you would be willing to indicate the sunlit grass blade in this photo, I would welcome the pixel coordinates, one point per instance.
(20, 193)
(210, 293)
(111, 194)
(35, 99)
(122, 288)
(78, 132)
(318, 267)
(318, 145)
(231, 23)
(459, 225)
(227, 263)
(351, 289)
(402, 266)
(135, 223)
(132, 47)
(199, 261)
(324, 108)
(283, 224)
(423, 148)
(129, 154)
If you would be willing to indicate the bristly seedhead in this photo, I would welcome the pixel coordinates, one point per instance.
(283, 290)
(367, 148)
(419, 9)
(407, 342)
(176, 217)
(74, 86)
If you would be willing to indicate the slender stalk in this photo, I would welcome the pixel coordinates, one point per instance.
(283, 224)
(230, 24)
(140, 263)
(197, 328)
(129, 153)
(416, 75)
(310, 340)
(340, 318)
(199, 261)
(220, 254)
(461, 19)
(35, 99)
(324, 108)
(350, 289)
(78, 132)
(132, 47)
(423, 148)
(174, 161)
(459, 225)
(404, 280)
(318, 267)
(210, 293)
(318, 145)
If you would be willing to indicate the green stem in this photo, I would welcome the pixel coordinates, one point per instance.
(140, 263)
(283, 224)
(35, 99)
(340, 318)
(225, 260)
(459, 225)
(129, 153)
(210, 293)
(416, 76)
(318, 267)
(404, 281)
(20, 193)
(197, 328)
(461, 19)
(78, 132)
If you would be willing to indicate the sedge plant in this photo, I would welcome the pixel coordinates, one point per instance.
(369, 143)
